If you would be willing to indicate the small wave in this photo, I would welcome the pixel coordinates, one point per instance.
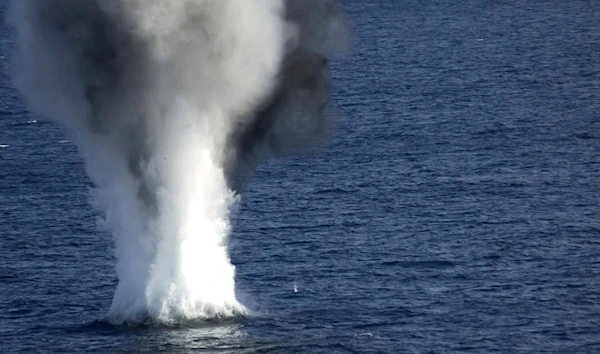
(585, 136)
(333, 191)
(365, 334)
(4, 146)
(95, 325)
(28, 122)
(419, 264)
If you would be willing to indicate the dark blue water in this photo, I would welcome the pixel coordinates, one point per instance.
(456, 209)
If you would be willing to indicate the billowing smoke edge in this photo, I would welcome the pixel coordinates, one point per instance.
(172, 103)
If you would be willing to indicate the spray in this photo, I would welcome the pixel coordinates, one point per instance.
(172, 103)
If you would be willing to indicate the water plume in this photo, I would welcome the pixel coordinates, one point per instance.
(172, 103)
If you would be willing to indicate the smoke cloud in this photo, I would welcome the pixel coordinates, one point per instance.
(172, 104)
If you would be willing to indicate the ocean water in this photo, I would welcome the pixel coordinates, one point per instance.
(456, 208)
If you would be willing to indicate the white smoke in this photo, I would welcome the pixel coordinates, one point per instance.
(171, 101)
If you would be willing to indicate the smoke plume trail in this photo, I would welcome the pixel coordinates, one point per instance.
(172, 102)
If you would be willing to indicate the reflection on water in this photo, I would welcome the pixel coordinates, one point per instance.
(207, 337)
(226, 336)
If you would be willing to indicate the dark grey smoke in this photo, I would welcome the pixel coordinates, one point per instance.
(296, 113)
(110, 62)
